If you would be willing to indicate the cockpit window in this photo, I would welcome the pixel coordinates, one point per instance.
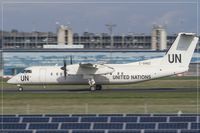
(27, 71)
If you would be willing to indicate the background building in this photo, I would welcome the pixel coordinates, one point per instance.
(23, 40)
(158, 40)
(64, 35)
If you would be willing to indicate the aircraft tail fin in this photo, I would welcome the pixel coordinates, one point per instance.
(181, 51)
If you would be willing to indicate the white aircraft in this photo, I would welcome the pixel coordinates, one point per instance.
(175, 61)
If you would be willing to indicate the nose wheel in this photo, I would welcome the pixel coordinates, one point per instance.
(20, 88)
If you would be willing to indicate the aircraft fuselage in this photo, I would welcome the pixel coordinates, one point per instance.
(122, 74)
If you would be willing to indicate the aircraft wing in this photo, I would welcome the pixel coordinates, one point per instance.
(92, 69)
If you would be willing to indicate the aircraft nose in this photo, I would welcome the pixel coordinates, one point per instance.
(12, 80)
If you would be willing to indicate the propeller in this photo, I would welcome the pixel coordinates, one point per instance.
(71, 62)
(64, 68)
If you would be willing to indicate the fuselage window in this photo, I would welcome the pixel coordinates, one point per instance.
(60, 74)
(51, 74)
(57, 74)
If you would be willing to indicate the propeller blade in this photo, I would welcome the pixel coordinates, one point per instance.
(64, 68)
(71, 60)
(65, 74)
(64, 62)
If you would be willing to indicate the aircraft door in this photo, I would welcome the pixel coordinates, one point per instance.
(42, 75)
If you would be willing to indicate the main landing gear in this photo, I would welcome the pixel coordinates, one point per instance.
(98, 87)
(93, 86)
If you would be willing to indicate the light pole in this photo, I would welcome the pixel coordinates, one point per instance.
(110, 28)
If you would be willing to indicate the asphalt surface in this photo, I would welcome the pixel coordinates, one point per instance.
(61, 90)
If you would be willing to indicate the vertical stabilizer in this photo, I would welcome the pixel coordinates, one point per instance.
(181, 51)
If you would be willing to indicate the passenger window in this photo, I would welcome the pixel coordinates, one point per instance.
(57, 74)
(51, 74)
(60, 74)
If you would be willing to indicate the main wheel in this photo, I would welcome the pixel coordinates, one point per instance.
(99, 87)
(92, 88)
(20, 89)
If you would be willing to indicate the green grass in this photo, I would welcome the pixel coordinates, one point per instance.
(184, 98)
(97, 102)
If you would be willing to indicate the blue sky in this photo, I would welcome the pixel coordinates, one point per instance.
(129, 15)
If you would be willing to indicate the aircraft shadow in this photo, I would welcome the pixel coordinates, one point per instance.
(103, 90)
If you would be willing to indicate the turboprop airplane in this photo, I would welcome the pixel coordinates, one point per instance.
(175, 61)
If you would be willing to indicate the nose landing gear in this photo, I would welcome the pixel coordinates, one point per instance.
(20, 88)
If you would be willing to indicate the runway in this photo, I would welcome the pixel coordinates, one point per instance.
(86, 90)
